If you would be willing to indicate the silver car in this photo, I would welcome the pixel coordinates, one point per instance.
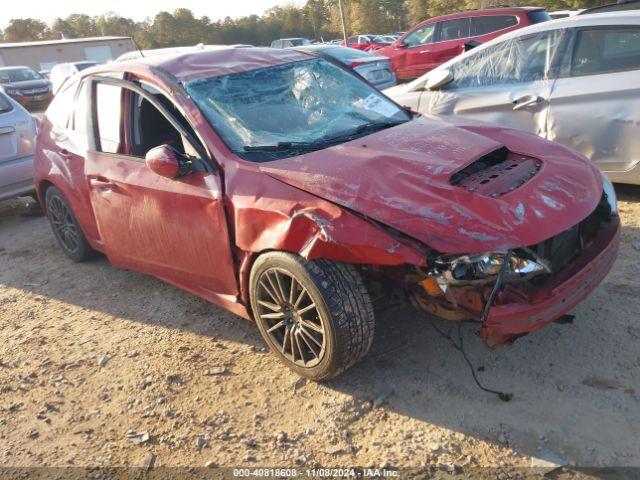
(17, 143)
(575, 81)
(376, 69)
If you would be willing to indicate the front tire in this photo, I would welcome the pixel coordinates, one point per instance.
(65, 227)
(316, 316)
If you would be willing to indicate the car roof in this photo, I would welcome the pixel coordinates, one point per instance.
(18, 67)
(186, 66)
(481, 12)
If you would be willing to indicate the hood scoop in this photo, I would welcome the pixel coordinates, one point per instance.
(496, 173)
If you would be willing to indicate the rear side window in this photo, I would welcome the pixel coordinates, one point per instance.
(61, 106)
(109, 112)
(605, 51)
(491, 23)
(538, 16)
(421, 36)
(454, 29)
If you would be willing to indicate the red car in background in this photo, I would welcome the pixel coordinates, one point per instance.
(438, 40)
(366, 42)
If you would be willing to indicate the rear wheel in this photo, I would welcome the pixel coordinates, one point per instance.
(66, 228)
(316, 316)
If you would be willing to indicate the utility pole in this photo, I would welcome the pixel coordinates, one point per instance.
(344, 23)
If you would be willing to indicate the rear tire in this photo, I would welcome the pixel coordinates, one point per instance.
(316, 316)
(65, 227)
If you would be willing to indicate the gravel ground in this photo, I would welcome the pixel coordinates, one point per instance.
(103, 367)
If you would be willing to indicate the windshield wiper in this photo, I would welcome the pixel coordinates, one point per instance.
(363, 129)
(323, 142)
(283, 147)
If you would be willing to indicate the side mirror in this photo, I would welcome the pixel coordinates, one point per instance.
(439, 79)
(399, 44)
(167, 162)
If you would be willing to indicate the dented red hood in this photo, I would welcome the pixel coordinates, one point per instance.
(401, 177)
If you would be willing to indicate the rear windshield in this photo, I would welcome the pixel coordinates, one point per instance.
(347, 55)
(82, 65)
(539, 16)
(298, 42)
(19, 75)
(5, 106)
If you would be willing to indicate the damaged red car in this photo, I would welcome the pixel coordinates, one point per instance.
(285, 189)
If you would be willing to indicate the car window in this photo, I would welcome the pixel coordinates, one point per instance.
(454, 29)
(5, 105)
(421, 36)
(524, 59)
(491, 23)
(61, 106)
(310, 102)
(109, 110)
(606, 50)
(150, 128)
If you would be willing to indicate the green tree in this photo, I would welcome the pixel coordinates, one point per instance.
(75, 26)
(26, 30)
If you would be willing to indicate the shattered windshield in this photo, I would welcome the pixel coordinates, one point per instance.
(284, 110)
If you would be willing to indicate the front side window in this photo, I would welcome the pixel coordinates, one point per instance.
(421, 36)
(305, 105)
(525, 59)
(606, 50)
(491, 23)
(454, 29)
(109, 112)
(150, 127)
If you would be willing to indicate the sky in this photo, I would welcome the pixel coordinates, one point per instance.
(48, 10)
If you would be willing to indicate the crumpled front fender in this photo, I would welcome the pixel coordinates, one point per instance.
(272, 215)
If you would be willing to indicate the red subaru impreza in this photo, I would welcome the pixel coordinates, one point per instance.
(287, 190)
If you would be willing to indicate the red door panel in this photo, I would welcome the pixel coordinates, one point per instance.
(175, 229)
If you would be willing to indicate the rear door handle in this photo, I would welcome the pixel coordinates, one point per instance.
(425, 51)
(526, 101)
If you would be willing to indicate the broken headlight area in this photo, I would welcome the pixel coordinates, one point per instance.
(459, 287)
(479, 269)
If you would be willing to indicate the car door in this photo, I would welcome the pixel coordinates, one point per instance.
(450, 36)
(601, 88)
(509, 83)
(413, 56)
(172, 228)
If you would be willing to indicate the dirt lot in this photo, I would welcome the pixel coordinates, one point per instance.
(100, 366)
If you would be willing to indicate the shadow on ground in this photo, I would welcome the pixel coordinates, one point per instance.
(576, 387)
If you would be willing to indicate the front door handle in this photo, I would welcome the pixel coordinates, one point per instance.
(425, 51)
(65, 154)
(527, 101)
(102, 183)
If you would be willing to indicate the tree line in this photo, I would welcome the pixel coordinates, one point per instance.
(316, 19)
